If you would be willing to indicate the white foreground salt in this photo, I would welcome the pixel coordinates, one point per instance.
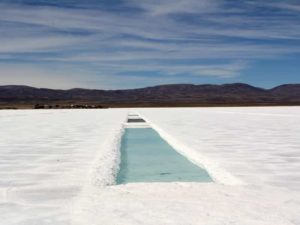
(47, 156)
(55, 167)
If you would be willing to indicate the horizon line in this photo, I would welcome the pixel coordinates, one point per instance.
(158, 85)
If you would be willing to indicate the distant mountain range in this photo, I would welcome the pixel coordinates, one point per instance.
(163, 95)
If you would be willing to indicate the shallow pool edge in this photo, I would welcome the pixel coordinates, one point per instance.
(218, 175)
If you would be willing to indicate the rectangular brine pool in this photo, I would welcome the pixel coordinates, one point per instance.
(146, 157)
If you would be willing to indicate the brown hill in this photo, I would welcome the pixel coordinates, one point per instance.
(164, 95)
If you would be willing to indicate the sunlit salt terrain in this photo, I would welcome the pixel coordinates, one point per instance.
(58, 167)
(258, 145)
(46, 157)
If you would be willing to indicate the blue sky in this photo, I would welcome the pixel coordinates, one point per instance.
(113, 44)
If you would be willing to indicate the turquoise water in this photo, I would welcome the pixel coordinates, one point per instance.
(146, 157)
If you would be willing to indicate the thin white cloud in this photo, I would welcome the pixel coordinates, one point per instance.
(37, 44)
(158, 8)
(293, 7)
(283, 5)
(154, 39)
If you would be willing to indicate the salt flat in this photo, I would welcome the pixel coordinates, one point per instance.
(57, 167)
(46, 157)
(258, 145)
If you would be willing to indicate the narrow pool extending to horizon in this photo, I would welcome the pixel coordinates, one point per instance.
(146, 157)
